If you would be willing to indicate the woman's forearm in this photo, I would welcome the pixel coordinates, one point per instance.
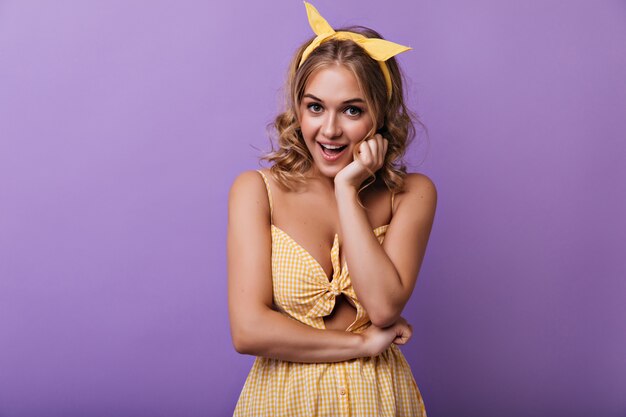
(374, 277)
(273, 335)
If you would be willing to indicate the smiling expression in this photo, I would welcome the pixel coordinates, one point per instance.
(334, 118)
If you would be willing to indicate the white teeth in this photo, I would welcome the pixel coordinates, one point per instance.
(331, 146)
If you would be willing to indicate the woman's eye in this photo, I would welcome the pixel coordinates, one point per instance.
(314, 107)
(353, 111)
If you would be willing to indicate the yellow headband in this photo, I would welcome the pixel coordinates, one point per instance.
(379, 49)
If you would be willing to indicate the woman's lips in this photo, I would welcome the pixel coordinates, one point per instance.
(331, 156)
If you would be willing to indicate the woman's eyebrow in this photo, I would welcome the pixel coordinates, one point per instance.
(352, 100)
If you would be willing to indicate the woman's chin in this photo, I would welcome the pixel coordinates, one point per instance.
(329, 171)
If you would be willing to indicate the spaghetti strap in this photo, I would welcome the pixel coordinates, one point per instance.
(269, 194)
(392, 196)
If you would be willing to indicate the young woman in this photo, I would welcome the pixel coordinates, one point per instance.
(325, 246)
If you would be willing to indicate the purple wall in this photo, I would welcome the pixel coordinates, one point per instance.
(122, 125)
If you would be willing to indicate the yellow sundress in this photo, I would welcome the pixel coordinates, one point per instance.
(378, 386)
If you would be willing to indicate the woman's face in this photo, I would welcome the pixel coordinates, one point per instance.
(334, 118)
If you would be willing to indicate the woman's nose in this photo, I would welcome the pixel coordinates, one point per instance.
(331, 127)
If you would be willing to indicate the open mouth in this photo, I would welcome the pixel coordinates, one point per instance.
(332, 152)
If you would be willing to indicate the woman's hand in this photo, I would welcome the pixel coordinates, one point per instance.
(371, 155)
(377, 340)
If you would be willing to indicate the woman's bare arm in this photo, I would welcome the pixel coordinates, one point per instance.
(384, 275)
(258, 329)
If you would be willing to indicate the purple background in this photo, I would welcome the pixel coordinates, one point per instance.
(123, 124)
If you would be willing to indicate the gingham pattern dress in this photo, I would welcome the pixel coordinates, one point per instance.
(378, 386)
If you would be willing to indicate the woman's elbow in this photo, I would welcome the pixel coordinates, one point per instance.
(249, 344)
(384, 317)
(245, 337)
(240, 343)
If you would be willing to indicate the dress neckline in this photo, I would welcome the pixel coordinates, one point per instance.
(315, 262)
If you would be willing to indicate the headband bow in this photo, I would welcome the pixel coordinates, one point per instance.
(379, 49)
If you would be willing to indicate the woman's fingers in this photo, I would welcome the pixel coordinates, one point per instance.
(378, 339)
(367, 156)
(373, 145)
(404, 331)
(384, 150)
(372, 152)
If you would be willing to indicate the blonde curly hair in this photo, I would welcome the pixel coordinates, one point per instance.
(291, 158)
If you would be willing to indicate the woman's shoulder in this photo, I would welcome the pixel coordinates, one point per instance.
(249, 183)
(418, 182)
(247, 178)
(419, 189)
